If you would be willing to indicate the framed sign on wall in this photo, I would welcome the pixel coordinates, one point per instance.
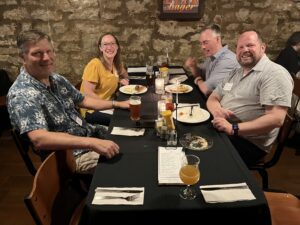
(181, 9)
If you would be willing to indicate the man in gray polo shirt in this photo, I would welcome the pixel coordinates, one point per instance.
(219, 62)
(251, 103)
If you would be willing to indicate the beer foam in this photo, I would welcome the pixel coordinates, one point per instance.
(134, 102)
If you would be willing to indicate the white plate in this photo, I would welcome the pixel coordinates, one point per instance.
(199, 115)
(180, 89)
(130, 89)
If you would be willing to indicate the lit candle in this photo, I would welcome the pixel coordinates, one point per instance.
(159, 85)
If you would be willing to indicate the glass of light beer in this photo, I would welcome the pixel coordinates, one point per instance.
(189, 174)
(135, 107)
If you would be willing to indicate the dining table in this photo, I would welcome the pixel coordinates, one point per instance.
(137, 166)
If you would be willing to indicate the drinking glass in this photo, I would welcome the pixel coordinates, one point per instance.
(172, 139)
(150, 74)
(159, 85)
(161, 106)
(168, 97)
(135, 107)
(189, 174)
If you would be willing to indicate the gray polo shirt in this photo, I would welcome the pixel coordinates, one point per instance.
(267, 83)
(218, 66)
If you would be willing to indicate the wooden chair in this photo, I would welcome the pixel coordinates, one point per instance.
(268, 162)
(5, 84)
(284, 208)
(24, 147)
(55, 198)
(296, 91)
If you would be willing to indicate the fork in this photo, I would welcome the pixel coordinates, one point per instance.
(191, 112)
(127, 198)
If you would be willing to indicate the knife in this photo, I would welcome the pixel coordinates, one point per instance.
(117, 190)
(191, 105)
(215, 187)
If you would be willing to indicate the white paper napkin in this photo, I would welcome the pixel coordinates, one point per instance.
(128, 131)
(176, 71)
(137, 77)
(136, 69)
(107, 111)
(102, 192)
(226, 193)
(179, 78)
(169, 164)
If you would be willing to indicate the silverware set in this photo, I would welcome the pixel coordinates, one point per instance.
(127, 198)
(109, 194)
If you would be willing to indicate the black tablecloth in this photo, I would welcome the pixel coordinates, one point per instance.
(137, 166)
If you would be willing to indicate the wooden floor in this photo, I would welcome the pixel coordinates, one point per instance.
(15, 180)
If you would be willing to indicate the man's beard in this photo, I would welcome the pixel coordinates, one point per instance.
(248, 63)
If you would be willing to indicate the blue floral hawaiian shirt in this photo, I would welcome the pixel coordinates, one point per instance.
(32, 105)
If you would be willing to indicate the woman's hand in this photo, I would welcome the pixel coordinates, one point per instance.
(124, 81)
(122, 104)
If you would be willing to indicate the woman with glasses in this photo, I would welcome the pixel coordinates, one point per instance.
(102, 76)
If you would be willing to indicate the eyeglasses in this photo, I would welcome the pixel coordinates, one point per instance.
(111, 44)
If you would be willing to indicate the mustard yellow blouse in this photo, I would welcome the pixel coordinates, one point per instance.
(106, 81)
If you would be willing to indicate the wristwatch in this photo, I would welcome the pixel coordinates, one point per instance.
(235, 129)
(113, 102)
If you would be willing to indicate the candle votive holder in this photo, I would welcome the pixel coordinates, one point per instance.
(159, 85)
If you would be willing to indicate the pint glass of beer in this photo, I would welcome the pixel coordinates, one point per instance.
(135, 107)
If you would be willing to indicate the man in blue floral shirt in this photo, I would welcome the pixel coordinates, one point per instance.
(43, 104)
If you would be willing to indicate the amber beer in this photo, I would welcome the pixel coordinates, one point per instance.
(189, 174)
(135, 107)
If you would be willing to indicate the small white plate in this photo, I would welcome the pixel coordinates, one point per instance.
(180, 89)
(199, 115)
(131, 89)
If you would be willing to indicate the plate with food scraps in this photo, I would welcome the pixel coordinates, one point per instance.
(133, 89)
(196, 142)
(178, 88)
(191, 114)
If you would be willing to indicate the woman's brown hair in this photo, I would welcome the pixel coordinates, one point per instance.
(117, 59)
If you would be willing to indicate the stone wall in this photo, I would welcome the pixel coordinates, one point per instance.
(75, 26)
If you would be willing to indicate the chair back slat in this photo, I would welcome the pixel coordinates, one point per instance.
(285, 129)
(296, 91)
(24, 148)
(281, 140)
(49, 198)
(262, 167)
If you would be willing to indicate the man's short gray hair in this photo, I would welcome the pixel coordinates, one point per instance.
(214, 28)
(29, 37)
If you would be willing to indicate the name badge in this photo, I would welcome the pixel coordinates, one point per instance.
(227, 86)
(77, 119)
